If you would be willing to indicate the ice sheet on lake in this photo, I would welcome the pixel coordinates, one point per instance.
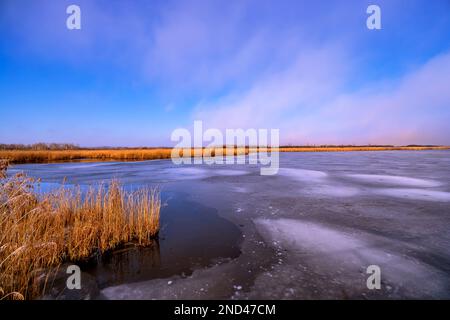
(302, 174)
(225, 172)
(200, 173)
(240, 189)
(87, 165)
(345, 256)
(395, 180)
(316, 183)
(334, 190)
(414, 194)
(298, 235)
(185, 173)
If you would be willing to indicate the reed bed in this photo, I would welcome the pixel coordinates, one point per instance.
(39, 232)
(39, 156)
(350, 148)
(3, 166)
(42, 156)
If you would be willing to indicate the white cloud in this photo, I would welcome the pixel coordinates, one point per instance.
(310, 78)
(306, 102)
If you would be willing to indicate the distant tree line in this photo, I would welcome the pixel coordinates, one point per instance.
(71, 146)
(337, 146)
(355, 146)
(39, 146)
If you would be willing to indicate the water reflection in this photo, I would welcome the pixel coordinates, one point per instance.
(191, 236)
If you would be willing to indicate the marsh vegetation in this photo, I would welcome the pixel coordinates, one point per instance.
(54, 154)
(38, 232)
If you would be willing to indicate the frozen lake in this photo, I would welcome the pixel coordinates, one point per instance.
(309, 232)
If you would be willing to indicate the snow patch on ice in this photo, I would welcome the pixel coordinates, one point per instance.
(395, 180)
(415, 194)
(240, 189)
(316, 183)
(200, 173)
(302, 174)
(87, 165)
(187, 172)
(299, 235)
(335, 191)
(225, 172)
(328, 249)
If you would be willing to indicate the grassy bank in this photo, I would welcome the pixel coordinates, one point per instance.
(39, 232)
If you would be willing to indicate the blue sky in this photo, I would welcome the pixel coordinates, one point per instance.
(137, 70)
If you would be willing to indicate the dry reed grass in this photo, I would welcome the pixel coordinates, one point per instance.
(3, 166)
(39, 232)
(351, 148)
(41, 156)
(36, 156)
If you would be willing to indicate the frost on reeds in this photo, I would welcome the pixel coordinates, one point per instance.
(39, 232)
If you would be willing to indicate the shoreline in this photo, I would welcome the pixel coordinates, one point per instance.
(105, 155)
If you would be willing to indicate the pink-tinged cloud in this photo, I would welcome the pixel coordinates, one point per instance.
(306, 103)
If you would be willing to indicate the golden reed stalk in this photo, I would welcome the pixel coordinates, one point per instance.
(41, 156)
(39, 232)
